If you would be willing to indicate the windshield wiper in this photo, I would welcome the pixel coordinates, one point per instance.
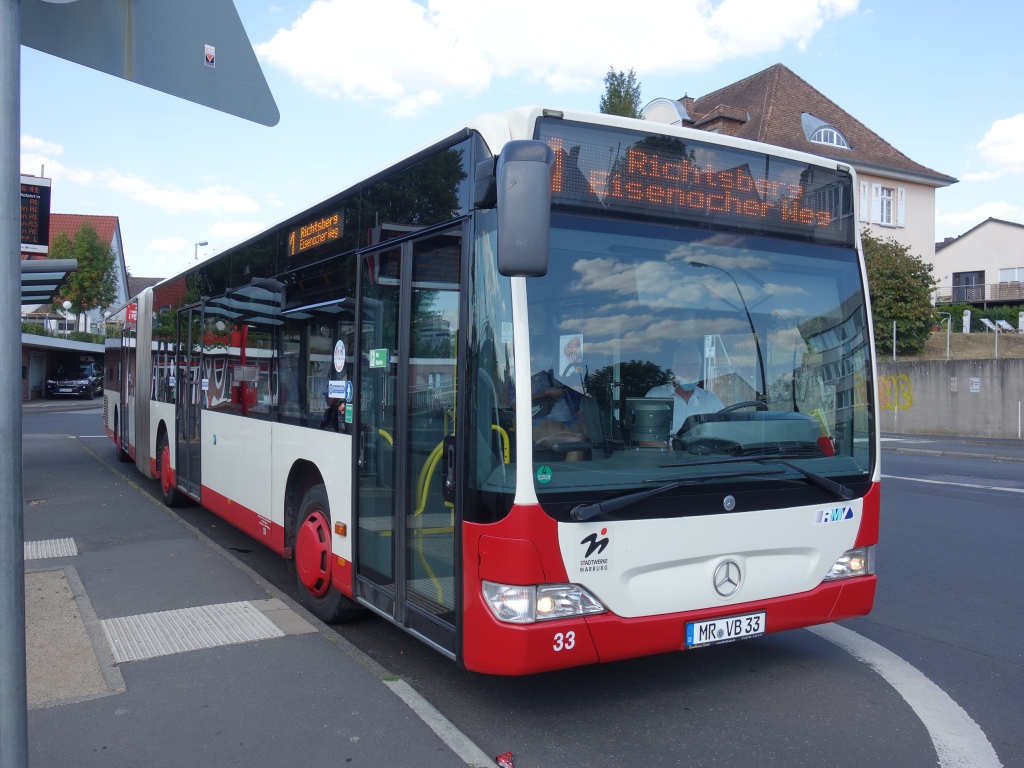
(734, 459)
(841, 491)
(583, 512)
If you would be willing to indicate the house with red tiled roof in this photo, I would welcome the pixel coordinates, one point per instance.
(108, 228)
(776, 106)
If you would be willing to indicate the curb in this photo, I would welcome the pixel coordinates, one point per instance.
(460, 744)
(954, 454)
(63, 407)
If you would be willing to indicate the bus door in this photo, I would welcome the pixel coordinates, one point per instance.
(189, 398)
(126, 387)
(408, 526)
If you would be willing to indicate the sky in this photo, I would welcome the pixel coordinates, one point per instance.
(360, 84)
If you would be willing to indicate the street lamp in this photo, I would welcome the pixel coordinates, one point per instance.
(67, 308)
(750, 320)
(196, 249)
(948, 321)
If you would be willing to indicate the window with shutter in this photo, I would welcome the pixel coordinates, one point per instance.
(885, 207)
(865, 210)
(876, 203)
(901, 207)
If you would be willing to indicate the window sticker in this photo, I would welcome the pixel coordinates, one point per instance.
(339, 356)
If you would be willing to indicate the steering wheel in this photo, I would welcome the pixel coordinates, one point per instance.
(757, 405)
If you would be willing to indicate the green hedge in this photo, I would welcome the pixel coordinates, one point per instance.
(38, 330)
(34, 329)
(1009, 314)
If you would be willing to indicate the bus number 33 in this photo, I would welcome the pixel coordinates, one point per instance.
(566, 641)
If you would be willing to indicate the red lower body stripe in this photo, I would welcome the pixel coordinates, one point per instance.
(260, 528)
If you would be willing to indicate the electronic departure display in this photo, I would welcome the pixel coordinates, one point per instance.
(323, 230)
(35, 214)
(615, 170)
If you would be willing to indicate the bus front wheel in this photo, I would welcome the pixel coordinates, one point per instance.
(314, 561)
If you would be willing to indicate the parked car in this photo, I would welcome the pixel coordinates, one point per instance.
(76, 379)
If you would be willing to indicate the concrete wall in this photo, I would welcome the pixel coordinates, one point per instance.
(936, 397)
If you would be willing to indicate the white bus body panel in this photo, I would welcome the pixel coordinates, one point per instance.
(235, 460)
(331, 453)
(162, 412)
(667, 565)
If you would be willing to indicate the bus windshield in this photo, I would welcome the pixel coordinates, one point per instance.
(657, 349)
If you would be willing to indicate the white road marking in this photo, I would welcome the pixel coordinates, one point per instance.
(959, 741)
(949, 482)
(456, 740)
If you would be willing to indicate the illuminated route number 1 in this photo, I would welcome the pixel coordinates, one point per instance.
(566, 641)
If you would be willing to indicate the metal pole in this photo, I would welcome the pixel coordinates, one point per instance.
(949, 323)
(997, 342)
(894, 341)
(13, 692)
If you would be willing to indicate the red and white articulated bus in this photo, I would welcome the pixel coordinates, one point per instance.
(557, 389)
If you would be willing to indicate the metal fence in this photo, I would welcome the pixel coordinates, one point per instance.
(968, 294)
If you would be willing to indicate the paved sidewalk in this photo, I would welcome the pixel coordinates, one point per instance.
(954, 447)
(149, 645)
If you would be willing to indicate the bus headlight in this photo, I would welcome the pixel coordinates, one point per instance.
(854, 562)
(525, 605)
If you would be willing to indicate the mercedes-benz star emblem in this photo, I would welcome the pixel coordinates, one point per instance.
(727, 578)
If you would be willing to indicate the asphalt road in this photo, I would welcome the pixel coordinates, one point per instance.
(949, 603)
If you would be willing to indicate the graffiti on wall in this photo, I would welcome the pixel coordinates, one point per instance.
(895, 392)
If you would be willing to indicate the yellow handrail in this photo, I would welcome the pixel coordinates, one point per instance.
(504, 442)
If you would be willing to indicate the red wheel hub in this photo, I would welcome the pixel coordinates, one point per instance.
(313, 553)
(165, 468)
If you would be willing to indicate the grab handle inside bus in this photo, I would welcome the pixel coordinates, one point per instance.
(525, 171)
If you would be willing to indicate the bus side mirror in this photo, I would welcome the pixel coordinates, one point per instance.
(525, 170)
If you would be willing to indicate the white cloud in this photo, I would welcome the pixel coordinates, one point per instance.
(961, 221)
(1004, 143)
(1002, 148)
(424, 53)
(235, 230)
(170, 244)
(215, 198)
(33, 144)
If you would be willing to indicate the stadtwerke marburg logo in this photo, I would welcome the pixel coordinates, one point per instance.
(594, 551)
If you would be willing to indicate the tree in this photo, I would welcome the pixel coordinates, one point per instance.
(621, 94)
(94, 285)
(901, 286)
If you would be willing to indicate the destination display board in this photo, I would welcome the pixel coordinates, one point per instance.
(324, 229)
(668, 177)
(35, 214)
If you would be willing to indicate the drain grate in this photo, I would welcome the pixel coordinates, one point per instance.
(988, 482)
(148, 635)
(42, 550)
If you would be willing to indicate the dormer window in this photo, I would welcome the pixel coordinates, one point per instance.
(821, 132)
(829, 135)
